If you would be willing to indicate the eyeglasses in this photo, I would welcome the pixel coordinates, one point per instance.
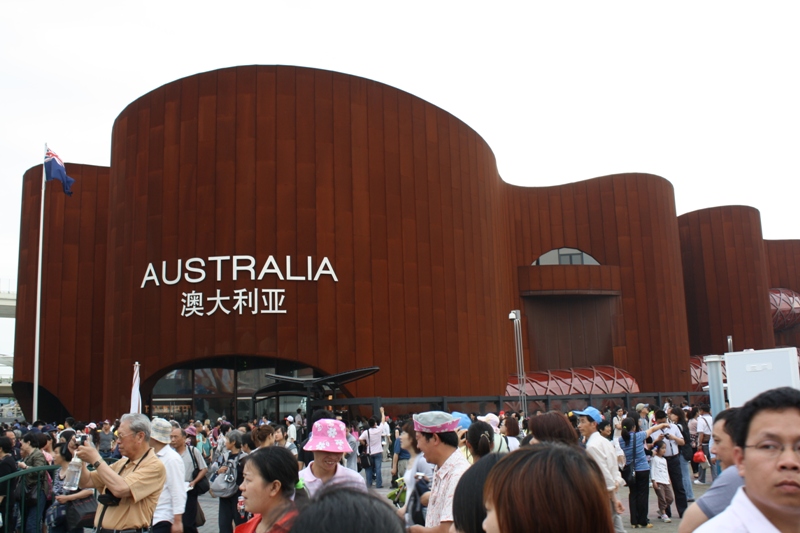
(121, 436)
(773, 450)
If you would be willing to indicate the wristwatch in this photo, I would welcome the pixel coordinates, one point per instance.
(96, 464)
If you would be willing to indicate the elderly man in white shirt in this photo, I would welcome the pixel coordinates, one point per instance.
(767, 455)
(602, 452)
(168, 516)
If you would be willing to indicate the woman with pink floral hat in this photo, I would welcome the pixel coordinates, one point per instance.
(329, 443)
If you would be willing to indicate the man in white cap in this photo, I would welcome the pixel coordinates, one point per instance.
(291, 431)
(437, 439)
(168, 516)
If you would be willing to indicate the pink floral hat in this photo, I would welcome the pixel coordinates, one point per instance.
(328, 435)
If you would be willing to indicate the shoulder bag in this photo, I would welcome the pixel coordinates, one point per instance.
(365, 459)
(629, 470)
(203, 485)
(414, 505)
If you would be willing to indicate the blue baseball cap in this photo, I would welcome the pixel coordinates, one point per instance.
(591, 412)
(463, 420)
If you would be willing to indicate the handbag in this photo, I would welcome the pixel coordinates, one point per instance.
(699, 457)
(224, 485)
(200, 517)
(203, 485)
(80, 513)
(365, 460)
(55, 515)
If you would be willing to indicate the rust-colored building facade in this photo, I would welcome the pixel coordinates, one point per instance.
(307, 222)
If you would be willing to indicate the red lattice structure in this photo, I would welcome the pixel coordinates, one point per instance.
(565, 382)
(785, 307)
(699, 372)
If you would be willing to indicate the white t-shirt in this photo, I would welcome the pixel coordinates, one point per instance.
(372, 437)
(291, 433)
(603, 453)
(659, 471)
(617, 432)
(621, 461)
(704, 425)
(672, 446)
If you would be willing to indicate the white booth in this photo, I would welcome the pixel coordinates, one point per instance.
(755, 371)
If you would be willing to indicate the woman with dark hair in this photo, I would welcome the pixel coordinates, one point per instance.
(62, 456)
(553, 426)
(7, 466)
(268, 489)
(519, 491)
(204, 445)
(678, 417)
(33, 458)
(247, 443)
(480, 440)
(68, 436)
(416, 465)
(632, 444)
(263, 436)
(468, 510)
(347, 510)
(281, 440)
(509, 429)
(45, 447)
(691, 421)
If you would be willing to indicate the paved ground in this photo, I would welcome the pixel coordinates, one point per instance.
(210, 507)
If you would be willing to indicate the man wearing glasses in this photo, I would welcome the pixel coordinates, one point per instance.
(130, 489)
(767, 454)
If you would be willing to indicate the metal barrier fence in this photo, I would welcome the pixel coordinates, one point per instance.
(494, 404)
(15, 510)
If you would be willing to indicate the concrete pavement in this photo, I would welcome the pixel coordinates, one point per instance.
(211, 507)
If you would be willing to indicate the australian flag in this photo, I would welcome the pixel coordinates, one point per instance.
(54, 170)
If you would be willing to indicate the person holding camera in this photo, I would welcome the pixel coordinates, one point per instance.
(130, 489)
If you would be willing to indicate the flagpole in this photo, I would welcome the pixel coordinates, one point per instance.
(37, 334)
(136, 397)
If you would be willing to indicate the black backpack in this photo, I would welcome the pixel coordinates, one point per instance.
(302, 455)
(686, 450)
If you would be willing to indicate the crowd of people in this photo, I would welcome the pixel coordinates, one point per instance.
(452, 472)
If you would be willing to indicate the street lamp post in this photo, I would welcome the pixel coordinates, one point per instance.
(515, 317)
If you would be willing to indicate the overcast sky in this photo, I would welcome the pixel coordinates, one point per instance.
(704, 94)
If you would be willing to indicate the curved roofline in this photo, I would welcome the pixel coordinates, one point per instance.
(313, 69)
